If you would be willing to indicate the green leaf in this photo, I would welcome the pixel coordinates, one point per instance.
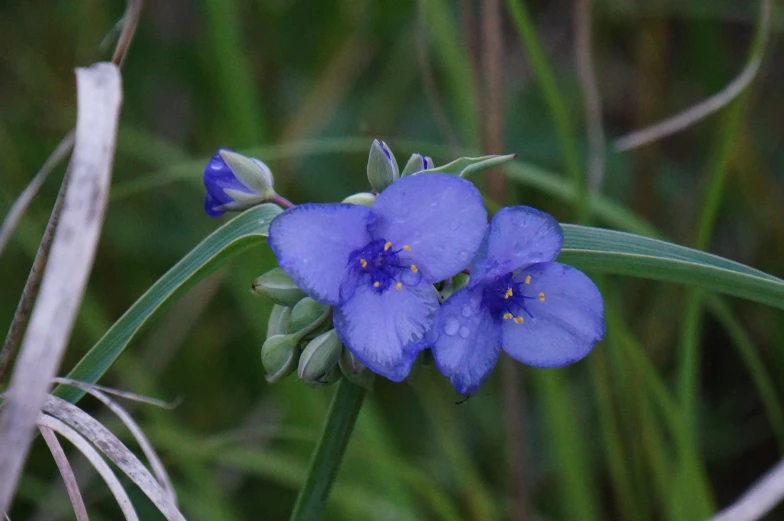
(244, 231)
(622, 253)
(466, 166)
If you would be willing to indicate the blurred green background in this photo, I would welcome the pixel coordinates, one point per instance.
(671, 417)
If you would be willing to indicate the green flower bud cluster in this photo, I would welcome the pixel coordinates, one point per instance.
(300, 337)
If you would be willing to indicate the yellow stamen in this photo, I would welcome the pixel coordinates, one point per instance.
(508, 293)
(507, 316)
(414, 268)
(363, 262)
(518, 320)
(387, 246)
(528, 279)
(398, 286)
(407, 247)
(376, 284)
(541, 297)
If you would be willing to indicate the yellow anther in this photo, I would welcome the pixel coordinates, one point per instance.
(541, 297)
(363, 262)
(508, 293)
(387, 246)
(398, 286)
(507, 316)
(414, 268)
(528, 279)
(376, 284)
(518, 320)
(407, 247)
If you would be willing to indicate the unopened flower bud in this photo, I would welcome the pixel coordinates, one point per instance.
(235, 182)
(278, 320)
(354, 370)
(319, 357)
(417, 163)
(382, 168)
(280, 356)
(304, 313)
(362, 198)
(278, 287)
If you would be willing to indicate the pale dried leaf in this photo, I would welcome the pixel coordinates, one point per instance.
(138, 434)
(116, 451)
(70, 261)
(96, 460)
(71, 486)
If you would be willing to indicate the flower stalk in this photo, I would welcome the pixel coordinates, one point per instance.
(326, 459)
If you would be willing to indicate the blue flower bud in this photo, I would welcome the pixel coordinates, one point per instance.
(417, 163)
(304, 313)
(362, 198)
(235, 182)
(320, 357)
(278, 287)
(278, 320)
(280, 356)
(382, 168)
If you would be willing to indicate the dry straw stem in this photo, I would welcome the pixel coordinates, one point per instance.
(66, 472)
(758, 500)
(96, 460)
(71, 258)
(714, 103)
(23, 201)
(583, 55)
(116, 451)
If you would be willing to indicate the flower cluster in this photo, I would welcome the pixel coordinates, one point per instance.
(378, 263)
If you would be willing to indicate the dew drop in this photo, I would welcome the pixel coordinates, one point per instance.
(451, 326)
(464, 332)
(467, 312)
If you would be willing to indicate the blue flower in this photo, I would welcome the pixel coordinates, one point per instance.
(376, 265)
(235, 182)
(542, 313)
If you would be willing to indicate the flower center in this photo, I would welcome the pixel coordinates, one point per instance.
(379, 266)
(506, 299)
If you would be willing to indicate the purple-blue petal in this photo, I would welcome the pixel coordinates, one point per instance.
(212, 206)
(518, 236)
(217, 177)
(566, 317)
(440, 217)
(386, 331)
(313, 243)
(466, 340)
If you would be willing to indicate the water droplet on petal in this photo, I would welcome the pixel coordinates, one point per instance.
(464, 332)
(451, 325)
(467, 312)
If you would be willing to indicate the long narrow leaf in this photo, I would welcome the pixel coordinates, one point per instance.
(628, 254)
(244, 231)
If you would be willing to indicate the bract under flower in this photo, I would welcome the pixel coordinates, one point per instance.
(540, 312)
(376, 265)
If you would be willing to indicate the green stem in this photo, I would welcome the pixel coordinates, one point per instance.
(326, 459)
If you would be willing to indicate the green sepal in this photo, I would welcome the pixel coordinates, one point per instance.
(355, 371)
(466, 166)
(319, 357)
(280, 356)
(362, 199)
(278, 322)
(304, 313)
(278, 287)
